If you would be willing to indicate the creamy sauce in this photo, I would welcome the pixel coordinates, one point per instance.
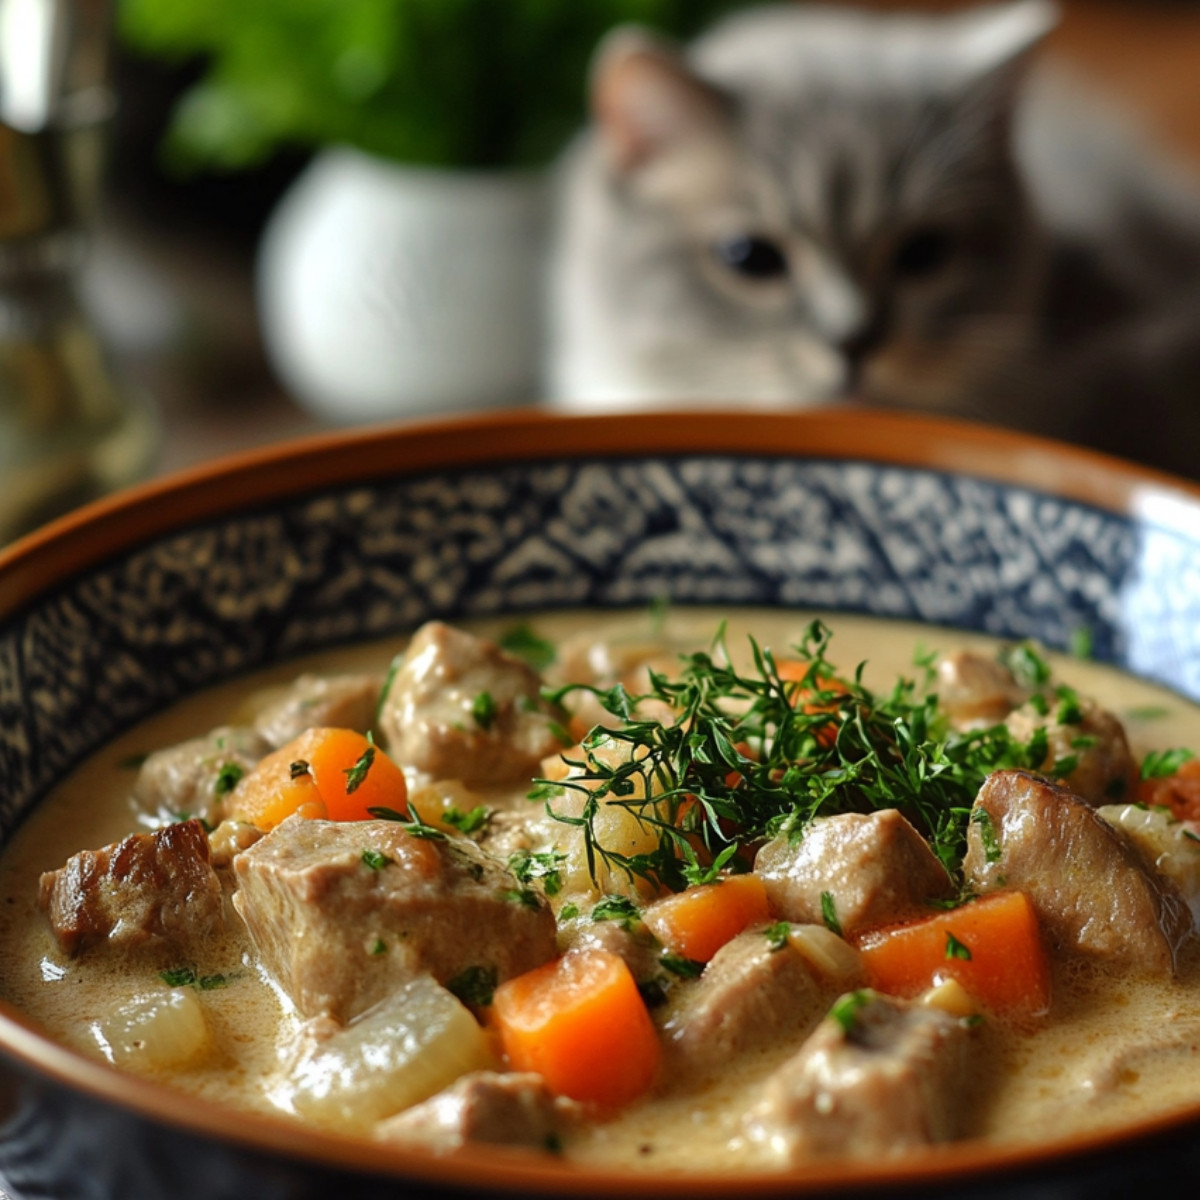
(1113, 1050)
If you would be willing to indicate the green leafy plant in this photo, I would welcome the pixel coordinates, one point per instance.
(462, 83)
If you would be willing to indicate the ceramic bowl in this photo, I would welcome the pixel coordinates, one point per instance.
(114, 612)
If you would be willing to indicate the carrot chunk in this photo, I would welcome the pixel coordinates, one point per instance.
(1179, 792)
(698, 921)
(581, 1024)
(991, 946)
(332, 773)
(792, 671)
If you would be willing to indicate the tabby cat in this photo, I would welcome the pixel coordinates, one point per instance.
(813, 204)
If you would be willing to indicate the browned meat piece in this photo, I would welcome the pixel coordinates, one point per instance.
(460, 708)
(635, 946)
(151, 890)
(1092, 890)
(976, 690)
(337, 702)
(1104, 770)
(193, 778)
(876, 867)
(886, 1078)
(483, 1107)
(343, 912)
(753, 992)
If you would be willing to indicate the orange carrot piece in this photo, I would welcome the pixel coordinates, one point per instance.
(698, 921)
(1179, 792)
(991, 946)
(324, 773)
(353, 775)
(581, 1024)
(792, 671)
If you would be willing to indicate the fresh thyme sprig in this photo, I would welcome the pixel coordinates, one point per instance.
(747, 756)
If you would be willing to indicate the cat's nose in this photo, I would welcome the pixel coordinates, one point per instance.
(858, 345)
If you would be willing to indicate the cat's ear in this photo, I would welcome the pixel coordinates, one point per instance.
(646, 101)
(994, 51)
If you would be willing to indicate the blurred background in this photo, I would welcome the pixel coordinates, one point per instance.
(196, 214)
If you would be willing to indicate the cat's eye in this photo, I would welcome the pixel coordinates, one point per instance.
(924, 252)
(751, 255)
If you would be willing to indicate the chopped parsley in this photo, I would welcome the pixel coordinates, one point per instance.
(1026, 664)
(616, 908)
(1069, 711)
(526, 897)
(955, 948)
(569, 911)
(845, 1009)
(210, 983)
(177, 977)
(375, 859)
(229, 774)
(483, 709)
(547, 867)
(475, 986)
(829, 914)
(982, 820)
(685, 968)
(379, 946)
(779, 934)
(1158, 764)
(467, 822)
(523, 643)
(1082, 642)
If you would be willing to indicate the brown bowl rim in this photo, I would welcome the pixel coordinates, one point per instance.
(96, 532)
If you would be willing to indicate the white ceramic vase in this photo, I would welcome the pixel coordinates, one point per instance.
(388, 291)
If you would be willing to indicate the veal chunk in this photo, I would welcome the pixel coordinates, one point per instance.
(876, 868)
(512, 1109)
(886, 1078)
(754, 991)
(1092, 891)
(344, 912)
(194, 777)
(151, 890)
(460, 708)
(974, 690)
(335, 701)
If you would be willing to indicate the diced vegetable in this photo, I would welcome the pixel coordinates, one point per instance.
(166, 1029)
(698, 921)
(418, 1041)
(804, 698)
(992, 946)
(581, 1024)
(336, 774)
(1180, 791)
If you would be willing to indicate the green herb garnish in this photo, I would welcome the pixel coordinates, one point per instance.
(357, 774)
(685, 968)
(955, 948)
(845, 1009)
(1158, 764)
(982, 820)
(739, 762)
(483, 709)
(475, 986)
(379, 946)
(412, 824)
(178, 977)
(375, 859)
(779, 934)
(210, 983)
(228, 776)
(616, 908)
(467, 822)
(829, 913)
(526, 645)
(546, 867)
